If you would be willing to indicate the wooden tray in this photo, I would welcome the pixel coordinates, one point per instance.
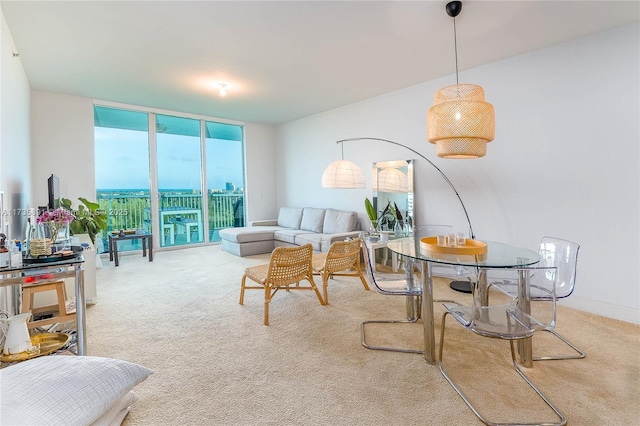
(49, 342)
(472, 247)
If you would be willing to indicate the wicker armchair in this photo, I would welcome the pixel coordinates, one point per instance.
(342, 257)
(288, 265)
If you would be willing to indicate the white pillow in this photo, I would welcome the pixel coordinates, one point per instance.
(64, 390)
(117, 412)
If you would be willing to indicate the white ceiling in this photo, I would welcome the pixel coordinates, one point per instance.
(281, 60)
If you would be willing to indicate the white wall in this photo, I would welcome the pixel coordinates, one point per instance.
(14, 147)
(63, 144)
(564, 161)
(14, 134)
(260, 159)
(62, 140)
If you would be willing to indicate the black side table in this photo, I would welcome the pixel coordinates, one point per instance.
(145, 237)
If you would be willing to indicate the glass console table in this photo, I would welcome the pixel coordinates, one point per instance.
(499, 255)
(53, 271)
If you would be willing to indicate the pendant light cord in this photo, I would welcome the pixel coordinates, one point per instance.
(455, 47)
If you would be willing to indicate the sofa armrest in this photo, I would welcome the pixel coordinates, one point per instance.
(267, 222)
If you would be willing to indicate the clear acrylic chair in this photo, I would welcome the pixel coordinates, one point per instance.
(512, 321)
(562, 254)
(405, 284)
(393, 284)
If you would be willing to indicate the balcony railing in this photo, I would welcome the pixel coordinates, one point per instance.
(127, 210)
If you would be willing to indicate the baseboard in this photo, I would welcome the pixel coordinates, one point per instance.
(608, 310)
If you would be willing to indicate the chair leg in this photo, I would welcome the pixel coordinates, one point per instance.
(563, 420)
(325, 290)
(267, 299)
(579, 355)
(315, 288)
(244, 279)
(386, 348)
(364, 281)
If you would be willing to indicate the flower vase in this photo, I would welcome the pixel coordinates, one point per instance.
(374, 229)
(398, 230)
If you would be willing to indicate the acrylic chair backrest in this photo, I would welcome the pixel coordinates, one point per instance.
(394, 284)
(562, 254)
(540, 315)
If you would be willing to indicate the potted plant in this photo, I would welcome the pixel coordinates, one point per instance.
(89, 219)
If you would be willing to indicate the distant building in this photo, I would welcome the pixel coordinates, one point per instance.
(229, 186)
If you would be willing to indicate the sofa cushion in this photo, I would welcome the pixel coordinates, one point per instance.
(290, 217)
(312, 219)
(314, 239)
(338, 221)
(288, 235)
(248, 234)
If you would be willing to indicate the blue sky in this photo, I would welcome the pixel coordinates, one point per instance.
(122, 161)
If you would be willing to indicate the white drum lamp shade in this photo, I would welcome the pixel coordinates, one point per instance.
(343, 174)
(391, 180)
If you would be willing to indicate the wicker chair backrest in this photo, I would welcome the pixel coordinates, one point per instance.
(289, 265)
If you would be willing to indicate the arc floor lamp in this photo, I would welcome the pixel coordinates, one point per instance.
(460, 124)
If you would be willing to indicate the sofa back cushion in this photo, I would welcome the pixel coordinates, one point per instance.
(338, 221)
(312, 219)
(290, 217)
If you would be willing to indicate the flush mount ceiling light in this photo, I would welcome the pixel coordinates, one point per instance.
(223, 89)
(460, 123)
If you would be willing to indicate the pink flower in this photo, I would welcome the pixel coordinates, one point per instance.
(59, 216)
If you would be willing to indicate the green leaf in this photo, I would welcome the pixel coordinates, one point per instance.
(371, 212)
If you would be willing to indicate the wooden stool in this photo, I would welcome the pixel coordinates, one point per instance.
(29, 290)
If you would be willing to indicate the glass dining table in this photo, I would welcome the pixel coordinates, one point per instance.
(498, 255)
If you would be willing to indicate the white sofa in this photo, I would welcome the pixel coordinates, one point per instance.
(293, 227)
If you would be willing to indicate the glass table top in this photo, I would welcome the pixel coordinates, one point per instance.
(499, 255)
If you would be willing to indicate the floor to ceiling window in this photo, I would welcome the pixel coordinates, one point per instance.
(225, 178)
(122, 169)
(179, 172)
(155, 180)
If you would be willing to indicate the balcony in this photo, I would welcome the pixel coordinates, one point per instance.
(182, 215)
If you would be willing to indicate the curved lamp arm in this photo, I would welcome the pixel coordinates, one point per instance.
(446, 179)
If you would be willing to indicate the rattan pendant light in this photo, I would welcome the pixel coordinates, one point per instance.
(460, 123)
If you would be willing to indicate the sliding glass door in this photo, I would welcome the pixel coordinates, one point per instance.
(179, 174)
(224, 155)
(122, 171)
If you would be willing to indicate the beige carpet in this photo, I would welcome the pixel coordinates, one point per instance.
(216, 364)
